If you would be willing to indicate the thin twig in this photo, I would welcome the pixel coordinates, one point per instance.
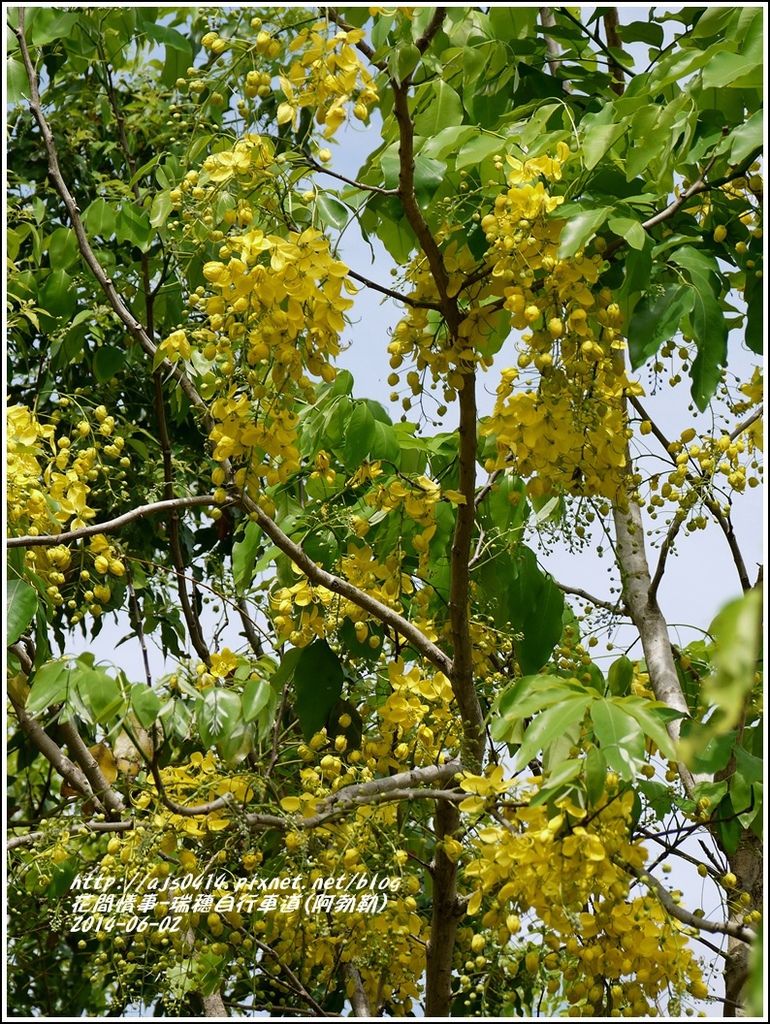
(398, 296)
(127, 318)
(111, 525)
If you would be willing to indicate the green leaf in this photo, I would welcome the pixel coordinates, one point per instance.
(733, 70)
(630, 229)
(549, 726)
(437, 107)
(331, 212)
(447, 141)
(737, 633)
(595, 774)
(99, 219)
(655, 320)
(530, 694)
(16, 82)
(285, 670)
(318, 681)
(20, 608)
(754, 295)
(218, 714)
(652, 717)
(244, 556)
(46, 26)
(108, 361)
(62, 248)
(598, 139)
(747, 138)
(428, 173)
(58, 296)
(478, 149)
(708, 322)
(620, 736)
(649, 32)
(619, 676)
(145, 704)
(359, 435)
(49, 686)
(257, 694)
(160, 209)
(579, 229)
(407, 59)
(99, 692)
(133, 225)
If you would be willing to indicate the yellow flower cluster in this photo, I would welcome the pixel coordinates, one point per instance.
(197, 782)
(417, 720)
(50, 486)
(565, 430)
(326, 76)
(568, 433)
(422, 337)
(574, 872)
(48, 480)
(300, 610)
(275, 316)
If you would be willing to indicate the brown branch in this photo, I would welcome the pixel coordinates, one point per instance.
(409, 785)
(398, 296)
(697, 479)
(752, 418)
(102, 790)
(668, 541)
(462, 677)
(51, 751)
(358, 1001)
(111, 525)
(646, 615)
(616, 608)
(547, 20)
(164, 438)
(296, 984)
(726, 526)
(433, 27)
(336, 585)
(611, 22)
(30, 838)
(702, 924)
(249, 628)
(349, 181)
(187, 810)
(213, 1005)
(412, 210)
(127, 318)
(445, 917)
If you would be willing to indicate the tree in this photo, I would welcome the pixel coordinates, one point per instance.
(368, 676)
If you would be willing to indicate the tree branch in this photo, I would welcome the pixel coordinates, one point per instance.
(406, 299)
(336, 585)
(648, 619)
(462, 677)
(611, 22)
(296, 984)
(111, 525)
(349, 181)
(101, 788)
(702, 924)
(127, 318)
(617, 608)
(358, 1001)
(547, 20)
(444, 919)
(51, 751)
